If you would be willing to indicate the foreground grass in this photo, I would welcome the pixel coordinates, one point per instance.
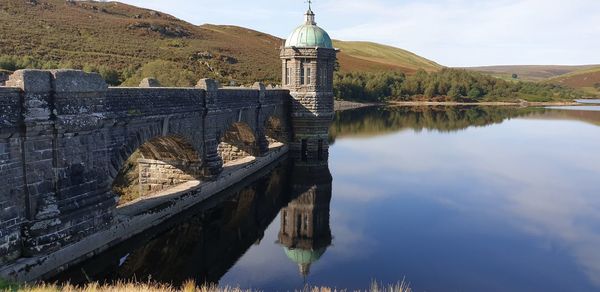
(189, 286)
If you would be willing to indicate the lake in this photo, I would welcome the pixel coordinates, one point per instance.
(447, 198)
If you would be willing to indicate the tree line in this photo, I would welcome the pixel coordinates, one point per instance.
(446, 85)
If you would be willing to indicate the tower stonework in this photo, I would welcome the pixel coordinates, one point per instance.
(308, 62)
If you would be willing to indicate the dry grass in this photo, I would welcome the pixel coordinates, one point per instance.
(529, 73)
(371, 57)
(189, 286)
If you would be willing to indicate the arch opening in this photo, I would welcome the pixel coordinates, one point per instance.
(275, 132)
(237, 143)
(157, 165)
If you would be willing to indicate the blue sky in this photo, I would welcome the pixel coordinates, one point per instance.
(451, 32)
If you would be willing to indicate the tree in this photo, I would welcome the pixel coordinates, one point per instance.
(515, 76)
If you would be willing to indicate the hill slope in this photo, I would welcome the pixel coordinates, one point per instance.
(136, 41)
(368, 56)
(122, 36)
(586, 79)
(529, 72)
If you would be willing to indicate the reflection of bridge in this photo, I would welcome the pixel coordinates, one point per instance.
(207, 245)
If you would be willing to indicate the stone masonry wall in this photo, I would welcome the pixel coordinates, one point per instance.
(230, 152)
(64, 136)
(158, 175)
(12, 199)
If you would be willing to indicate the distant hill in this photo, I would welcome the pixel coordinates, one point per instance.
(529, 72)
(139, 43)
(368, 57)
(585, 79)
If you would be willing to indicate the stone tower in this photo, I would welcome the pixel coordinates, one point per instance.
(308, 61)
(304, 231)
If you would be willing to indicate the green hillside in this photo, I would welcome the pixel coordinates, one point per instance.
(529, 72)
(369, 57)
(126, 43)
(587, 80)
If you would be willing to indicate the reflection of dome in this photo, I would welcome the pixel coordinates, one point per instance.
(304, 258)
(309, 35)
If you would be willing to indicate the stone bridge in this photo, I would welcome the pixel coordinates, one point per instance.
(66, 140)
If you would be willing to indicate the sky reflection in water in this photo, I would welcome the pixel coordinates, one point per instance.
(510, 206)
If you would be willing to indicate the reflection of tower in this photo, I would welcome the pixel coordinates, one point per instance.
(308, 61)
(304, 231)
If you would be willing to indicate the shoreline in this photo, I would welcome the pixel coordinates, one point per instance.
(487, 103)
(342, 105)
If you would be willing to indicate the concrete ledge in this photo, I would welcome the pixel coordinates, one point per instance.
(131, 222)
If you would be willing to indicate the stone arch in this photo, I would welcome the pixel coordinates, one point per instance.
(159, 163)
(238, 142)
(275, 131)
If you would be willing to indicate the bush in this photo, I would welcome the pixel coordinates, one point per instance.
(169, 74)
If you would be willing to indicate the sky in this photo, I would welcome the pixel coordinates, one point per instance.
(451, 32)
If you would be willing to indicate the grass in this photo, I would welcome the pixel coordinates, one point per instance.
(529, 72)
(368, 56)
(189, 286)
(586, 80)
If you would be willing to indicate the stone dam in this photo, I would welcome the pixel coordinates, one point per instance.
(84, 167)
(65, 137)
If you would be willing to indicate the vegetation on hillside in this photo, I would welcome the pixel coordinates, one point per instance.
(126, 44)
(588, 80)
(373, 57)
(446, 85)
(126, 38)
(528, 72)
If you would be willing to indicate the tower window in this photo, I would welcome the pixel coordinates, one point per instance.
(288, 75)
(302, 75)
(308, 75)
(323, 75)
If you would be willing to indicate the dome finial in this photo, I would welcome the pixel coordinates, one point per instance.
(309, 4)
(310, 15)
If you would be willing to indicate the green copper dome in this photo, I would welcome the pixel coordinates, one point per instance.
(309, 35)
(304, 257)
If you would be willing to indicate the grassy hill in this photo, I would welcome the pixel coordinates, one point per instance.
(125, 38)
(369, 57)
(529, 72)
(587, 79)
(127, 43)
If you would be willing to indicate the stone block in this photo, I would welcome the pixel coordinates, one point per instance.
(78, 81)
(208, 84)
(31, 81)
(149, 82)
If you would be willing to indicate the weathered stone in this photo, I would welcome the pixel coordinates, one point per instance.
(149, 82)
(78, 81)
(208, 84)
(31, 81)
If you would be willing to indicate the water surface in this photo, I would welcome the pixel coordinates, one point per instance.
(449, 198)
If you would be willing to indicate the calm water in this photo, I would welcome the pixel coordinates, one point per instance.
(451, 199)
